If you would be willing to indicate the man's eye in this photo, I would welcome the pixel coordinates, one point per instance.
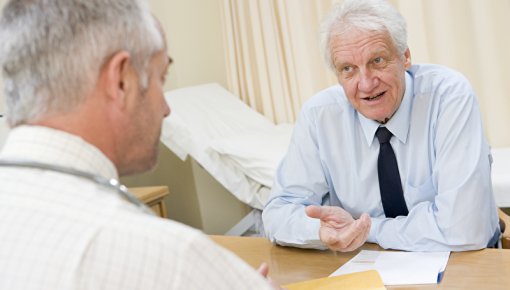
(347, 69)
(378, 60)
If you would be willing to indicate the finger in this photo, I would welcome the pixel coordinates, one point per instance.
(274, 285)
(328, 235)
(328, 213)
(368, 223)
(263, 270)
(357, 242)
(337, 242)
(350, 236)
(363, 224)
(313, 211)
(323, 212)
(342, 239)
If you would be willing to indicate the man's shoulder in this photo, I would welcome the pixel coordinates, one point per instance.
(431, 68)
(437, 78)
(135, 244)
(138, 234)
(149, 228)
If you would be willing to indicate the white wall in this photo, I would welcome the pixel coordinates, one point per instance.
(194, 38)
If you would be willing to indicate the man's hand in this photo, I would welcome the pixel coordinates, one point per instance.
(339, 231)
(264, 271)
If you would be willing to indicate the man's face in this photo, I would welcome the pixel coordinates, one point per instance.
(146, 114)
(371, 72)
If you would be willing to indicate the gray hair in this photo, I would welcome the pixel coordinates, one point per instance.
(365, 15)
(52, 50)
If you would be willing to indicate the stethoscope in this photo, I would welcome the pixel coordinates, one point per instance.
(112, 184)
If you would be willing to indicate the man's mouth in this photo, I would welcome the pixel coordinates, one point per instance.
(373, 98)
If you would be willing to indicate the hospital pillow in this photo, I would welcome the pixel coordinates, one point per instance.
(209, 114)
(256, 153)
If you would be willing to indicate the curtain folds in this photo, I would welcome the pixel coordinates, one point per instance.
(274, 62)
(272, 52)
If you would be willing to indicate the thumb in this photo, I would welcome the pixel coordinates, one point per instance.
(313, 211)
(263, 270)
(364, 217)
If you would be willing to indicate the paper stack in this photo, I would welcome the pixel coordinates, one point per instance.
(399, 268)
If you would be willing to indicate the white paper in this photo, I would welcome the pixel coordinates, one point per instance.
(399, 268)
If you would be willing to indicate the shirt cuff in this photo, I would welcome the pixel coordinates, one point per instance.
(374, 229)
(306, 237)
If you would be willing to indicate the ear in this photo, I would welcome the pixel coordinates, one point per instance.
(407, 58)
(116, 73)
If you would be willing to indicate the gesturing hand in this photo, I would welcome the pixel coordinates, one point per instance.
(339, 231)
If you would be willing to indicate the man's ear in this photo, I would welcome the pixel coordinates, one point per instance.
(116, 73)
(407, 58)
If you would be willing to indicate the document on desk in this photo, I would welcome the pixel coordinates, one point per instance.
(399, 268)
(367, 280)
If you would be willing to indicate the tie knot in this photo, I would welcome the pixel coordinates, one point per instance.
(383, 135)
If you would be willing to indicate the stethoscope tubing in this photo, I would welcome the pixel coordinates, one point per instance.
(112, 184)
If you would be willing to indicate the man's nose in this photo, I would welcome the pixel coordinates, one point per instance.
(167, 109)
(368, 81)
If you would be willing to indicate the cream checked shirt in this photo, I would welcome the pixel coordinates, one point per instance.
(59, 231)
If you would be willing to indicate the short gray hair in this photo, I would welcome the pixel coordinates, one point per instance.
(52, 50)
(365, 15)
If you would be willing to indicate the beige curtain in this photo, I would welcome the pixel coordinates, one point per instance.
(274, 63)
(272, 52)
(472, 37)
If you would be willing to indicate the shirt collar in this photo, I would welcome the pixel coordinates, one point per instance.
(46, 145)
(399, 123)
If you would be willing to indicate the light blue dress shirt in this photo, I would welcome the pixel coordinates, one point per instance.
(442, 154)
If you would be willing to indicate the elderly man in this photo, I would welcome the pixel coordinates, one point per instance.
(83, 82)
(395, 155)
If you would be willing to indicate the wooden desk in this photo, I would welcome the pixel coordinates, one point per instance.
(485, 269)
(152, 196)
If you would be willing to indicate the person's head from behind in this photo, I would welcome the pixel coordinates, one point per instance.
(365, 43)
(60, 56)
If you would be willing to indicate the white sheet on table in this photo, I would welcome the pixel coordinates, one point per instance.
(399, 268)
(204, 119)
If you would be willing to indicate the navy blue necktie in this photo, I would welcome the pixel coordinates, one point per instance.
(390, 185)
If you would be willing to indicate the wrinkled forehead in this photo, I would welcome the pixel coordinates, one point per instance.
(355, 39)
